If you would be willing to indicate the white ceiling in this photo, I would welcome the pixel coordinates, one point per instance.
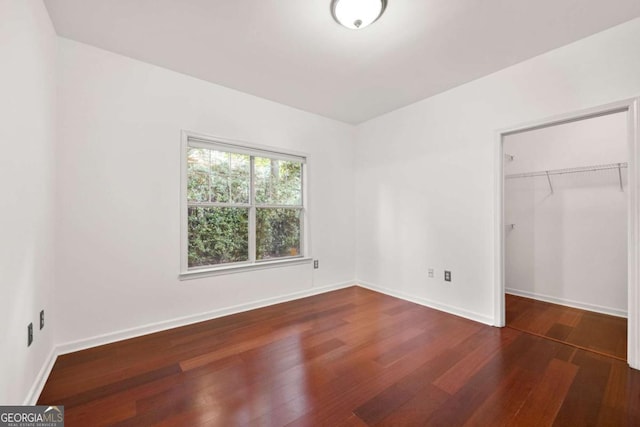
(293, 52)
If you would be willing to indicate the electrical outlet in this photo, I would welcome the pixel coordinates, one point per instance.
(316, 263)
(29, 334)
(41, 319)
(431, 273)
(447, 276)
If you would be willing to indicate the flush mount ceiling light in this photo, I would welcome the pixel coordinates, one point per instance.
(357, 14)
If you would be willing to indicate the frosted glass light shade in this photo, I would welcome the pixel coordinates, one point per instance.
(357, 14)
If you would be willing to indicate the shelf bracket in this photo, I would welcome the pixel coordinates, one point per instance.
(620, 176)
(549, 179)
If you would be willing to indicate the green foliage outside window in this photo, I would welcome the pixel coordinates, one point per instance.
(277, 233)
(278, 182)
(218, 235)
(219, 198)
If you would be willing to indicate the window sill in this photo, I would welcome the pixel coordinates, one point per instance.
(230, 269)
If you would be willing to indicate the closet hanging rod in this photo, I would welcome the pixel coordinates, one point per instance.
(593, 168)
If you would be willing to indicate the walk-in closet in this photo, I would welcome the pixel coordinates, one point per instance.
(565, 213)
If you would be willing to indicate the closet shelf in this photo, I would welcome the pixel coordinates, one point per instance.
(594, 168)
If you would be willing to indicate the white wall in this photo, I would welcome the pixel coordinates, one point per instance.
(569, 246)
(424, 177)
(118, 216)
(425, 180)
(27, 102)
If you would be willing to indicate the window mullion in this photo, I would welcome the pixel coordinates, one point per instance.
(252, 211)
(303, 213)
(210, 178)
(268, 206)
(217, 205)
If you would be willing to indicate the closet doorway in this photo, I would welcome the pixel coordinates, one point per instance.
(567, 242)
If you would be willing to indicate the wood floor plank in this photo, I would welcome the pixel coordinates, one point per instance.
(417, 409)
(587, 330)
(500, 387)
(600, 332)
(501, 406)
(614, 405)
(350, 358)
(559, 332)
(249, 344)
(583, 401)
(381, 406)
(538, 409)
(455, 378)
(119, 386)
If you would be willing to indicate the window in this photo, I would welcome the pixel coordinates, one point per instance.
(243, 206)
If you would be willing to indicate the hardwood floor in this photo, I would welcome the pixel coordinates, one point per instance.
(346, 358)
(597, 332)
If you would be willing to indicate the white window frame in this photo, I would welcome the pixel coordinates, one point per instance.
(192, 139)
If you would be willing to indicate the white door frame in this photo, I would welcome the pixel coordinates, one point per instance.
(633, 213)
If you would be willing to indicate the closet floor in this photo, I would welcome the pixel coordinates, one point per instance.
(599, 333)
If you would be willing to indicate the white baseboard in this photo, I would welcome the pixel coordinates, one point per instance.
(41, 379)
(456, 311)
(570, 303)
(111, 337)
